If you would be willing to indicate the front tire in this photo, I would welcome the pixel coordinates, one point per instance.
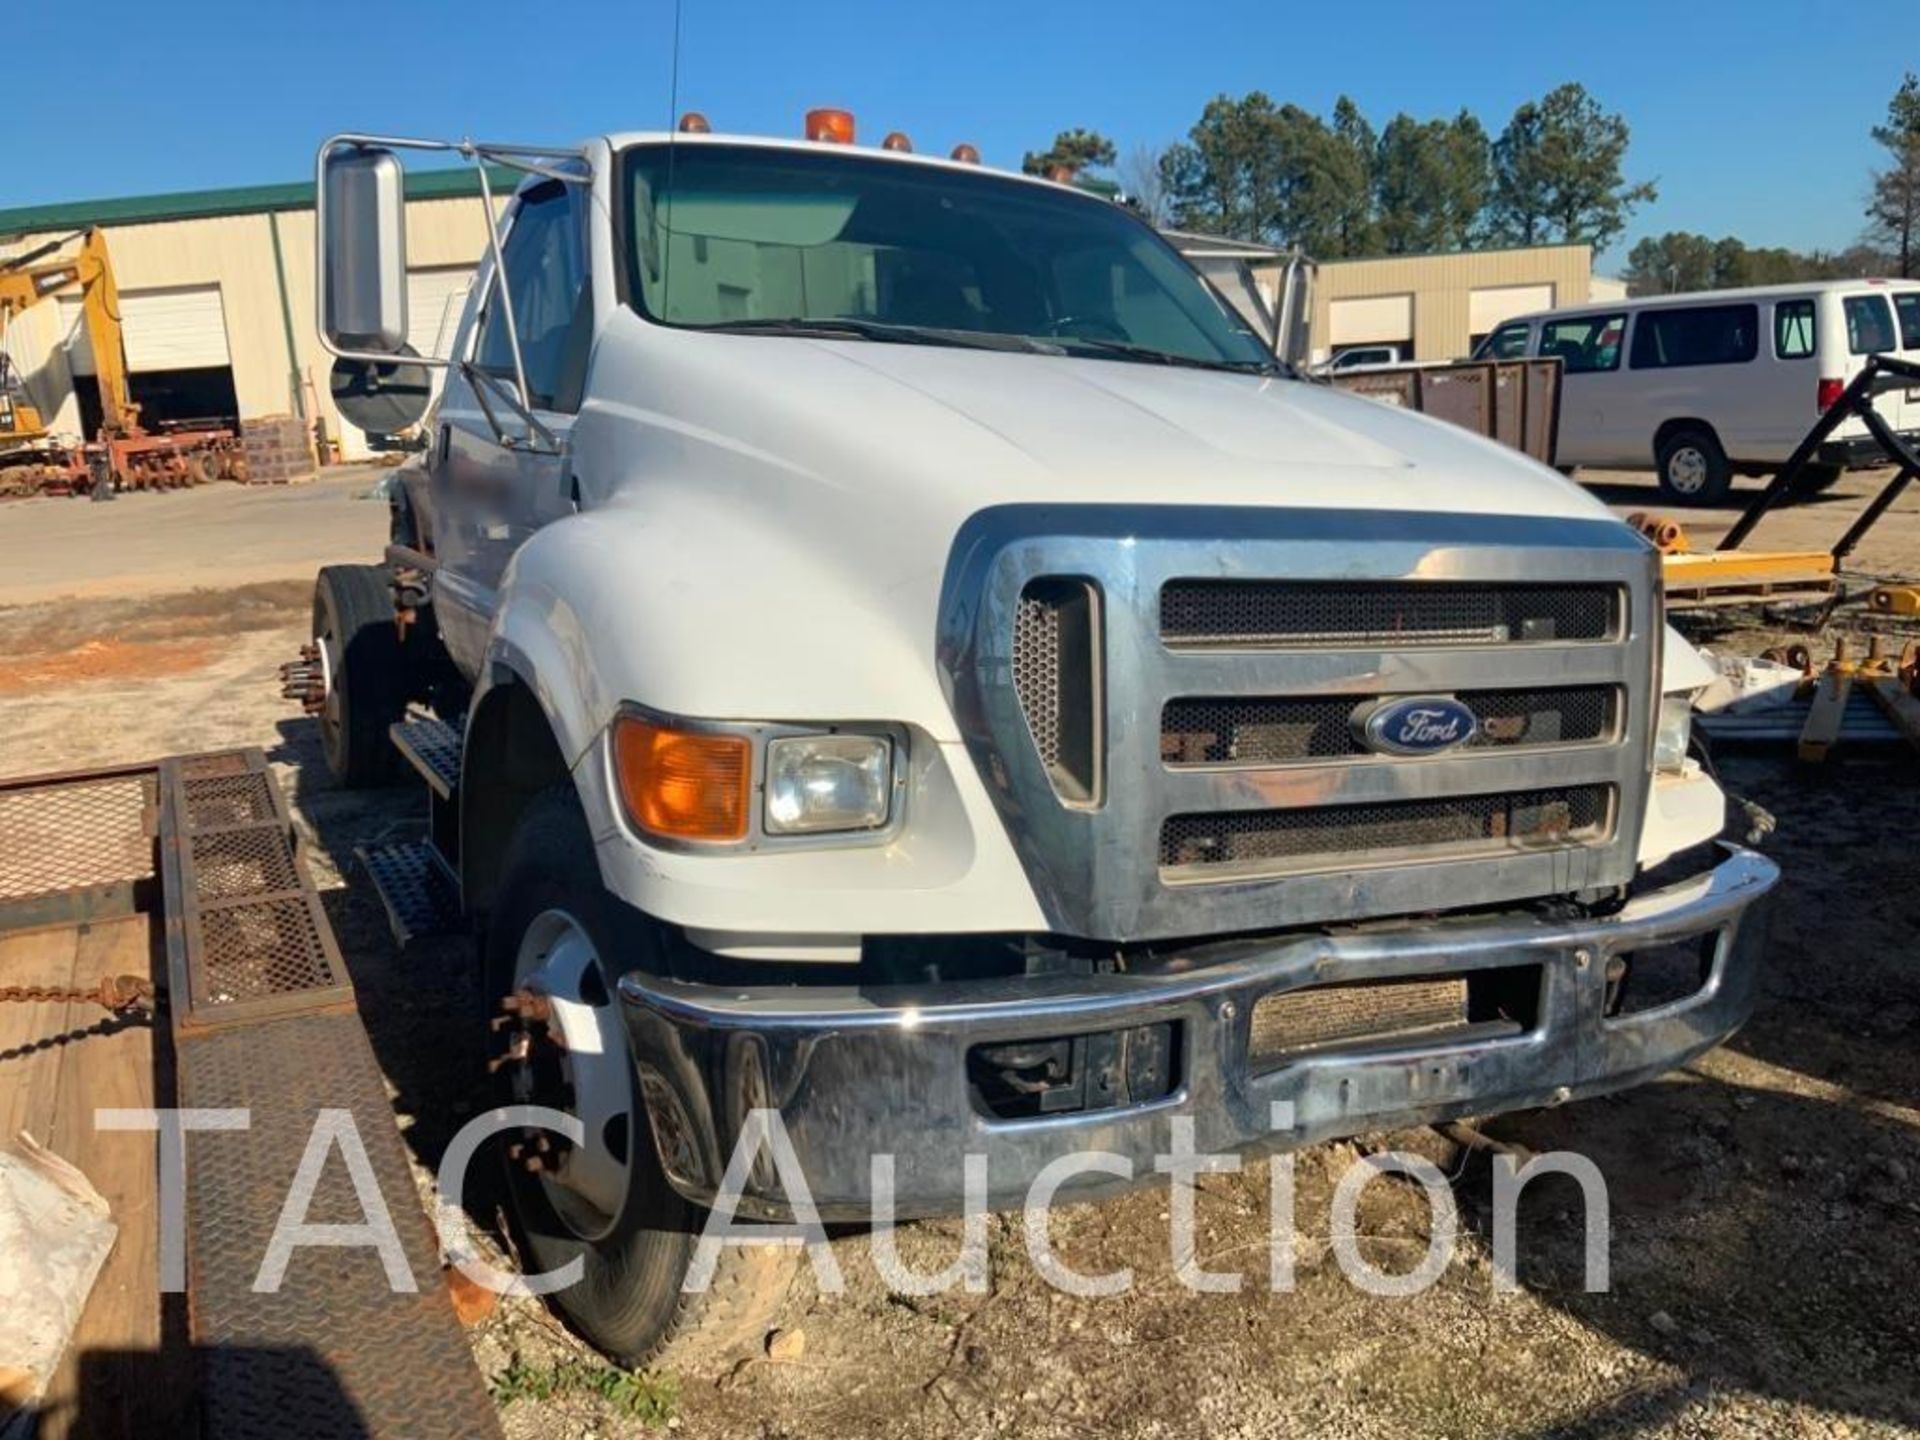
(1693, 468)
(367, 673)
(634, 1237)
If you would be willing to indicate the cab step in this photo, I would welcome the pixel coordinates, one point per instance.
(421, 897)
(432, 747)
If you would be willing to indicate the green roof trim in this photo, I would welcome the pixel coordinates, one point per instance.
(241, 200)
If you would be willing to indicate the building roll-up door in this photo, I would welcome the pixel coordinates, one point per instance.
(434, 301)
(183, 328)
(1489, 309)
(1371, 320)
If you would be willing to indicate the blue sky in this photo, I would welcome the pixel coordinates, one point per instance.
(1751, 116)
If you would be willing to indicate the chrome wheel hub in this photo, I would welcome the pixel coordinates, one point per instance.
(565, 1048)
(1687, 470)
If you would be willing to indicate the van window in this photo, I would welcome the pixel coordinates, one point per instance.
(1869, 324)
(1906, 304)
(1696, 335)
(1509, 342)
(1793, 329)
(1584, 343)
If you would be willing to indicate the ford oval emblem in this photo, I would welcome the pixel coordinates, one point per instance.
(1417, 725)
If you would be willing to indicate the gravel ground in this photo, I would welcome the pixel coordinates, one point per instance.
(1764, 1256)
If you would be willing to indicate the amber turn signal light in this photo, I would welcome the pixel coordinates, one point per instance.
(682, 784)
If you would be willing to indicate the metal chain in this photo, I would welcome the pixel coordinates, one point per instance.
(114, 993)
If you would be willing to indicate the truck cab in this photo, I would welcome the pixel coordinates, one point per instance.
(900, 663)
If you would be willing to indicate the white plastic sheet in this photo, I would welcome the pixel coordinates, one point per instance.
(55, 1233)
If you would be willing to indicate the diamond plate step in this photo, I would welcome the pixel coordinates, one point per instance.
(336, 1350)
(414, 885)
(432, 747)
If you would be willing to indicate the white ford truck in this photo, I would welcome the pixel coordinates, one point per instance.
(890, 648)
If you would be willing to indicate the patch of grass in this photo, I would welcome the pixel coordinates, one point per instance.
(635, 1394)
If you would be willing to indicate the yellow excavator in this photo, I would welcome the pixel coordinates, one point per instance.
(123, 455)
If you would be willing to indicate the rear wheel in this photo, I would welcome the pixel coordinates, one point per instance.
(1692, 466)
(1816, 479)
(367, 673)
(605, 1203)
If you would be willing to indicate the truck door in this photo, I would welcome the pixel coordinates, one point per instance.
(495, 479)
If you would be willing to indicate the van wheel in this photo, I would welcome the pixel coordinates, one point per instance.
(366, 668)
(1692, 466)
(605, 1203)
(1816, 479)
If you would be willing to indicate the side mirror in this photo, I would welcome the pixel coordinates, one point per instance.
(363, 250)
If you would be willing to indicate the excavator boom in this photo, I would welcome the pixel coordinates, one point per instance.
(24, 284)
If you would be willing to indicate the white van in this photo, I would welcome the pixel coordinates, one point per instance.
(1719, 383)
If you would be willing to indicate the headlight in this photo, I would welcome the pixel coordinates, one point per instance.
(828, 782)
(1676, 730)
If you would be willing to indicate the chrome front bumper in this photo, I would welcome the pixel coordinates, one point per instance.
(855, 1072)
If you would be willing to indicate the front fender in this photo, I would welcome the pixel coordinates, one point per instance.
(698, 607)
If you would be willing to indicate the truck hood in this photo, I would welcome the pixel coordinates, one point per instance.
(987, 427)
(775, 491)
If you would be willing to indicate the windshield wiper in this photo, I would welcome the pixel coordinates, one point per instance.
(846, 328)
(1147, 355)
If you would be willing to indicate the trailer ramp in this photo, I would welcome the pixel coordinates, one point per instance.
(263, 1022)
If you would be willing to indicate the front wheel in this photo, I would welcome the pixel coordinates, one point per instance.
(555, 942)
(1692, 466)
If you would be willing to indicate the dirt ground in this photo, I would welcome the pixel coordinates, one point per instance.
(1766, 1235)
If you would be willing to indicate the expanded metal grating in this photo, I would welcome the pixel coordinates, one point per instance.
(1371, 1011)
(231, 863)
(262, 947)
(1318, 614)
(1055, 674)
(247, 936)
(64, 835)
(1036, 669)
(1293, 841)
(228, 800)
(1276, 731)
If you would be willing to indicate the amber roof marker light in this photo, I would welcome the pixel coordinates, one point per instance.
(835, 127)
(897, 140)
(694, 123)
(965, 154)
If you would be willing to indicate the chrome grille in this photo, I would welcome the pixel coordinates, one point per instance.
(1289, 614)
(1279, 730)
(1300, 840)
(1225, 654)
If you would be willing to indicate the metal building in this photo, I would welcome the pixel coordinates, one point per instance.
(1439, 306)
(217, 300)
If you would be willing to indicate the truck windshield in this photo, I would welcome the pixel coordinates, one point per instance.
(745, 238)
